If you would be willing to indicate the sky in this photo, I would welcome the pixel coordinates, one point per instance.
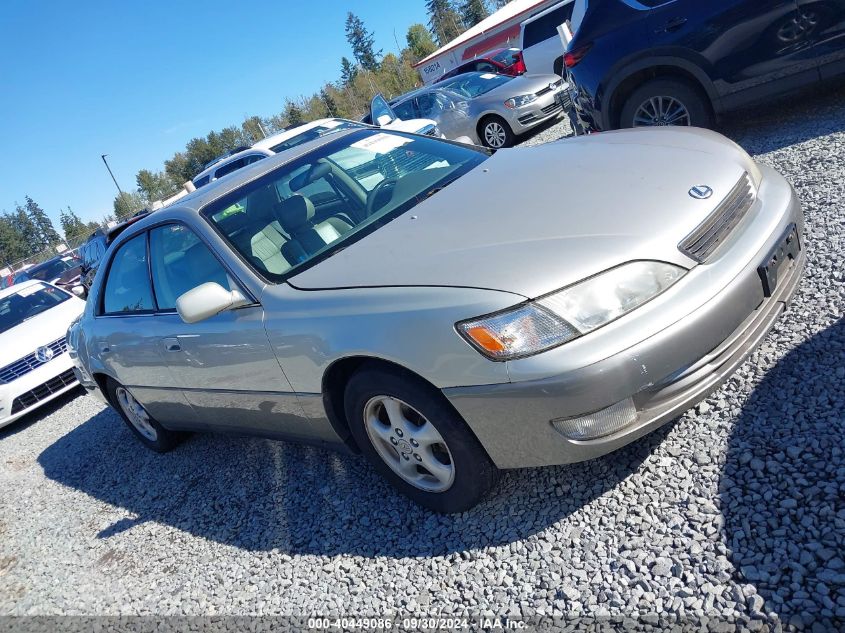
(138, 80)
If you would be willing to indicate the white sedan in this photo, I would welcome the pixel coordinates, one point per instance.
(34, 363)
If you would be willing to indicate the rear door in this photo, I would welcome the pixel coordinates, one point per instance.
(749, 48)
(822, 24)
(542, 48)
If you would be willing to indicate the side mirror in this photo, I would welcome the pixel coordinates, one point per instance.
(79, 291)
(207, 300)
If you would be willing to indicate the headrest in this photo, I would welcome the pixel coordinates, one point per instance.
(294, 213)
(260, 203)
(317, 171)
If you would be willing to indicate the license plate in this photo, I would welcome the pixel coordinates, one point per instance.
(786, 250)
(564, 99)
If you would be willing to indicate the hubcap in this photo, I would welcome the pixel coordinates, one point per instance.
(661, 111)
(138, 416)
(494, 134)
(409, 444)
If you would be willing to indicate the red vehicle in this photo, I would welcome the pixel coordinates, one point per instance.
(502, 61)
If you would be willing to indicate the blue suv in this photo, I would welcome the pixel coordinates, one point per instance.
(683, 62)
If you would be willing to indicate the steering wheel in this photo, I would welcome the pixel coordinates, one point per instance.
(378, 191)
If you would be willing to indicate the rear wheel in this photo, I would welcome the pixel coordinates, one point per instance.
(417, 441)
(140, 422)
(495, 132)
(666, 102)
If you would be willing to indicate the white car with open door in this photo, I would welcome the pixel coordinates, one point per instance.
(382, 115)
(35, 366)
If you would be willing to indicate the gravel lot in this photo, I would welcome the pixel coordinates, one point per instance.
(733, 516)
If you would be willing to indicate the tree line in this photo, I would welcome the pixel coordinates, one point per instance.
(363, 74)
(29, 232)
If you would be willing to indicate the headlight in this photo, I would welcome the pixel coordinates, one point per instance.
(521, 100)
(553, 320)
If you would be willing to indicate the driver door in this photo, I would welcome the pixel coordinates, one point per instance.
(381, 114)
(224, 365)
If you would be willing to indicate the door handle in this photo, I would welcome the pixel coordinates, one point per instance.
(672, 25)
(172, 345)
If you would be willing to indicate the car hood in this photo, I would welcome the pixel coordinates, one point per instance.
(26, 337)
(532, 220)
(521, 85)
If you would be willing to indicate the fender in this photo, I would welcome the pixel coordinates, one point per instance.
(670, 58)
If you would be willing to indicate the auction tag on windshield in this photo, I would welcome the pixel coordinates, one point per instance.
(488, 76)
(381, 143)
(30, 290)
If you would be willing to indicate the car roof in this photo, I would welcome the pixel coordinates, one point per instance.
(5, 292)
(275, 139)
(198, 199)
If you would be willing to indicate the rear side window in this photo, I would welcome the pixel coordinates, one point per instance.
(181, 262)
(127, 289)
(201, 182)
(235, 165)
(545, 27)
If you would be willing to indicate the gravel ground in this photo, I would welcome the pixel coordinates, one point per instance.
(732, 517)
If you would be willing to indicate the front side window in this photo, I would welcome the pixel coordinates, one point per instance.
(181, 262)
(201, 182)
(127, 288)
(27, 303)
(405, 110)
(334, 196)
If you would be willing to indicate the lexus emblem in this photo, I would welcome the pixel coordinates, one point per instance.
(44, 354)
(701, 192)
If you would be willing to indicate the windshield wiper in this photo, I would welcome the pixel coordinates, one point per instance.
(440, 187)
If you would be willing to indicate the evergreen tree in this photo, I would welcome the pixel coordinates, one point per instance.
(420, 42)
(128, 204)
(72, 226)
(362, 42)
(444, 22)
(293, 114)
(45, 232)
(26, 230)
(328, 99)
(473, 11)
(154, 185)
(12, 246)
(348, 72)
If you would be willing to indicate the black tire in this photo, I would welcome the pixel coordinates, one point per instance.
(492, 119)
(474, 472)
(164, 440)
(696, 104)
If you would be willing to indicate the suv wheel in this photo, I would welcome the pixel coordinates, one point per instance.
(146, 428)
(666, 102)
(417, 441)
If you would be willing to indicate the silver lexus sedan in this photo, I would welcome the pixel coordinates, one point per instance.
(445, 310)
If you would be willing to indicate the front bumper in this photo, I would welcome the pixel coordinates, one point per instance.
(527, 117)
(38, 387)
(665, 374)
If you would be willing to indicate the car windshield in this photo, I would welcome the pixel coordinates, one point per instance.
(328, 199)
(50, 270)
(27, 303)
(475, 84)
(330, 127)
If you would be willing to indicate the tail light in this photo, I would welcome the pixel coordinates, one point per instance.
(574, 56)
(519, 66)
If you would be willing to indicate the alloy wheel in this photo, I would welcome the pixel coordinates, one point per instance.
(137, 415)
(660, 112)
(409, 444)
(495, 134)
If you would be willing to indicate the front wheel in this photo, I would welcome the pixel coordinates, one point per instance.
(496, 133)
(146, 428)
(417, 441)
(666, 102)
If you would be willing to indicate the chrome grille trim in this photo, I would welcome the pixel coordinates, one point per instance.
(21, 367)
(717, 227)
